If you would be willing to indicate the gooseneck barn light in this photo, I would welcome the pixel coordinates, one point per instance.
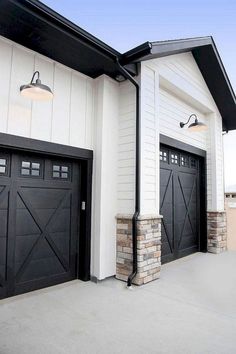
(196, 126)
(36, 90)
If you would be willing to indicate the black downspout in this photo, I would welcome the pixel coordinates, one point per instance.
(125, 73)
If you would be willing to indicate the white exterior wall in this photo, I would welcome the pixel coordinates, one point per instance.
(126, 148)
(105, 178)
(84, 113)
(67, 119)
(100, 115)
(172, 88)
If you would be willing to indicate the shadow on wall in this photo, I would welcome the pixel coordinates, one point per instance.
(230, 207)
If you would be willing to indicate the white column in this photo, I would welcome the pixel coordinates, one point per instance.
(105, 178)
(215, 179)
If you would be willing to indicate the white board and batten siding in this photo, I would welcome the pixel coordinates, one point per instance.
(172, 88)
(105, 177)
(67, 119)
(75, 117)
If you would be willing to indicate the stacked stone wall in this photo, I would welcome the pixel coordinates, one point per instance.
(148, 249)
(216, 232)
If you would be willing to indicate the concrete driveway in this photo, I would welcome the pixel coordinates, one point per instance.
(191, 309)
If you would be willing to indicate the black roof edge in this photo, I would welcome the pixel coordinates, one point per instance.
(223, 70)
(136, 53)
(60, 21)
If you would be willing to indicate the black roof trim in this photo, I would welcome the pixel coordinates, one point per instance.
(41, 29)
(60, 21)
(135, 54)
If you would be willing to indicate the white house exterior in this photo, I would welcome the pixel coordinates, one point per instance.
(96, 118)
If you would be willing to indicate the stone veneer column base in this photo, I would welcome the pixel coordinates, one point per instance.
(148, 248)
(216, 232)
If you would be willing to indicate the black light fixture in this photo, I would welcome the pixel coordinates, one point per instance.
(36, 90)
(196, 126)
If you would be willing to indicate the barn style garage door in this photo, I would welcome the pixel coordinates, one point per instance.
(179, 203)
(39, 215)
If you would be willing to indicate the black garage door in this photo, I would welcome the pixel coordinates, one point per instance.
(179, 203)
(39, 215)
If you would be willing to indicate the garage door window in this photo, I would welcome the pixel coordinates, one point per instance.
(184, 161)
(30, 168)
(193, 163)
(175, 159)
(3, 166)
(60, 171)
(163, 156)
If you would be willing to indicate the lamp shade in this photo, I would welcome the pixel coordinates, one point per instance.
(197, 126)
(36, 91)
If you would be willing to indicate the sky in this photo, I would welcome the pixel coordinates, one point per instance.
(124, 24)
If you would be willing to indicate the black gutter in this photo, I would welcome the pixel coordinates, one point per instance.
(137, 174)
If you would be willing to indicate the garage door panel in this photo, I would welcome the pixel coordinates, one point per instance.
(188, 241)
(3, 248)
(3, 222)
(4, 194)
(62, 242)
(63, 221)
(25, 224)
(166, 248)
(4, 202)
(23, 246)
(167, 209)
(37, 196)
(41, 262)
(38, 244)
(179, 203)
(41, 268)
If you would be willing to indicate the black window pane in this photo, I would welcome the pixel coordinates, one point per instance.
(3, 162)
(2, 169)
(25, 172)
(25, 164)
(35, 165)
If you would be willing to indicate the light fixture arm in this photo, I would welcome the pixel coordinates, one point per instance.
(191, 116)
(34, 74)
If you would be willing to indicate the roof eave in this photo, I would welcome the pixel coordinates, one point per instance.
(42, 10)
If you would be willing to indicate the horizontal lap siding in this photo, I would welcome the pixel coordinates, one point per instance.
(183, 74)
(172, 112)
(126, 149)
(220, 163)
(149, 151)
(67, 119)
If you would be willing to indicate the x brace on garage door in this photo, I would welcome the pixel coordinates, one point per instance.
(44, 236)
